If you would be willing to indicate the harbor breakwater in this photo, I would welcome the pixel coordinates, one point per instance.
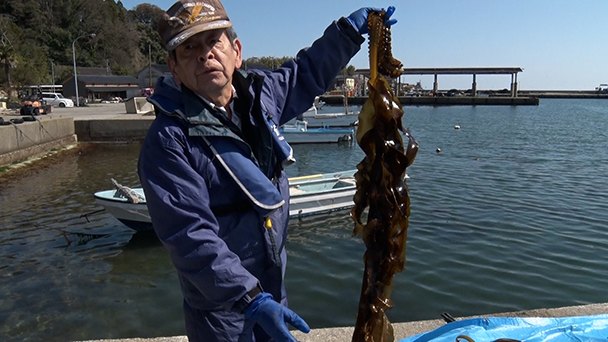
(523, 98)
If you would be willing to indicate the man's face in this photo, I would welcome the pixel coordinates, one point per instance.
(205, 63)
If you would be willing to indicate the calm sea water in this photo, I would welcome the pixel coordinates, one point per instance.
(511, 215)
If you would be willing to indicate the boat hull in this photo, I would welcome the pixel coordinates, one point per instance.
(300, 133)
(333, 120)
(132, 215)
(309, 195)
(321, 137)
(308, 205)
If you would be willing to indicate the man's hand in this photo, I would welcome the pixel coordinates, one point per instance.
(359, 18)
(273, 316)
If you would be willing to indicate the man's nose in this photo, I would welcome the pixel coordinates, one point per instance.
(204, 55)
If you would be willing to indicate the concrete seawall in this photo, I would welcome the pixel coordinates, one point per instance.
(34, 138)
(107, 122)
(111, 130)
(64, 127)
(404, 330)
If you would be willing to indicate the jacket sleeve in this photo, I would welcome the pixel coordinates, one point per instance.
(291, 89)
(178, 201)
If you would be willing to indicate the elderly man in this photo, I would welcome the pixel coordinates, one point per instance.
(212, 167)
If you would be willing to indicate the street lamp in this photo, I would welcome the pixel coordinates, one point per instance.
(74, 60)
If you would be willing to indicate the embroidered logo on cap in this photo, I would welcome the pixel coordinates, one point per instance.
(190, 13)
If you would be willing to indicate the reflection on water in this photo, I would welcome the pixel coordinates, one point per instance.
(511, 215)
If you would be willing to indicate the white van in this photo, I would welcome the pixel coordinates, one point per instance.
(57, 100)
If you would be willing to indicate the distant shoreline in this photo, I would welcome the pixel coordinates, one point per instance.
(582, 94)
(524, 97)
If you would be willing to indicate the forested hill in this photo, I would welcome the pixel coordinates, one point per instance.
(36, 33)
(36, 38)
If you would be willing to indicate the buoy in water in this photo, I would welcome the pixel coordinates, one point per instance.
(457, 127)
(438, 150)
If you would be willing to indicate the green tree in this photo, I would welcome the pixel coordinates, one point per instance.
(267, 62)
(349, 70)
(9, 32)
(32, 68)
(7, 58)
(146, 17)
(34, 32)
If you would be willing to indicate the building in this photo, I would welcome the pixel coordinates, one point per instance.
(147, 76)
(102, 87)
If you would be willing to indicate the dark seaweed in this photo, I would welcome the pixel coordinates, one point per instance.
(381, 188)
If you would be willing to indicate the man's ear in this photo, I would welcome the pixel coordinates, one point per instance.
(172, 65)
(239, 56)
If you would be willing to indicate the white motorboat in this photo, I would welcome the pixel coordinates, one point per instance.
(326, 116)
(300, 133)
(310, 195)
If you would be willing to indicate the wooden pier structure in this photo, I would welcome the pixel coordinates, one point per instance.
(437, 97)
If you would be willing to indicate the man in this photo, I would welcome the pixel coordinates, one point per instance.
(212, 167)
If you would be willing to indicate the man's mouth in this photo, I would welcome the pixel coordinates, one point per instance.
(210, 71)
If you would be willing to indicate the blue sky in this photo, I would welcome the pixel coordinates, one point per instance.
(560, 44)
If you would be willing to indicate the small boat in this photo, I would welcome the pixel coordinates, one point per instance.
(310, 195)
(328, 119)
(300, 133)
(132, 215)
(315, 117)
(321, 193)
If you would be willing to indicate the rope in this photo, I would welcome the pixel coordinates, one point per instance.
(42, 126)
(86, 216)
(23, 134)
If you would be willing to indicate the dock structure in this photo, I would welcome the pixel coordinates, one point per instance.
(474, 71)
(436, 97)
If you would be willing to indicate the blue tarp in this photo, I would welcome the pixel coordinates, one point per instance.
(578, 328)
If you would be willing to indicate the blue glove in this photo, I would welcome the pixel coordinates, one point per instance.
(359, 18)
(273, 316)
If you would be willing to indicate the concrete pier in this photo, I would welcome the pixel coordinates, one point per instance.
(19, 141)
(110, 122)
(445, 100)
(64, 127)
(404, 330)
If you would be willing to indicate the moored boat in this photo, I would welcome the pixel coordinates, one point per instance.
(300, 133)
(309, 195)
(329, 116)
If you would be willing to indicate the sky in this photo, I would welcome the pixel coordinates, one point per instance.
(561, 45)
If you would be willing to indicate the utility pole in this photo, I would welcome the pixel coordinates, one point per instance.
(52, 75)
(149, 67)
(92, 35)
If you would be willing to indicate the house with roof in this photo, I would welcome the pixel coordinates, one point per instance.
(101, 87)
(94, 71)
(147, 76)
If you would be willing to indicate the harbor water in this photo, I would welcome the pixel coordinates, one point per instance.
(512, 214)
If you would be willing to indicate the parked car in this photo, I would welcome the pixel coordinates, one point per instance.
(57, 100)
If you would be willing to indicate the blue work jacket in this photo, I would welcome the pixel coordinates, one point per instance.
(217, 196)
